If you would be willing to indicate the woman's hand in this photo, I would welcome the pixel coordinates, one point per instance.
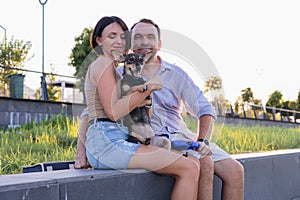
(146, 102)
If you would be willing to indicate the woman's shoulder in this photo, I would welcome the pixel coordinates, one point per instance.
(99, 66)
(101, 62)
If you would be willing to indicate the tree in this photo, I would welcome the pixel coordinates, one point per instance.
(247, 95)
(237, 104)
(295, 105)
(54, 92)
(213, 84)
(257, 102)
(82, 54)
(275, 99)
(286, 105)
(298, 101)
(292, 105)
(12, 54)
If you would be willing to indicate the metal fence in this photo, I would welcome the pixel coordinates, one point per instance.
(27, 87)
(253, 111)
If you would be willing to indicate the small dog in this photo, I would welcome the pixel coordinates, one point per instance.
(138, 119)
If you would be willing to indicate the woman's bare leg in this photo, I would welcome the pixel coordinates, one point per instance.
(162, 161)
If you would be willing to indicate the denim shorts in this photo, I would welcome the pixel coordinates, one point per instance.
(106, 146)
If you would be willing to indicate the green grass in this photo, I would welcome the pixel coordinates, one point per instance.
(245, 139)
(33, 143)
(55, 140)
(239, 139)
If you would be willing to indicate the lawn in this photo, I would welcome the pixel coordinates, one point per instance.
(55, 140)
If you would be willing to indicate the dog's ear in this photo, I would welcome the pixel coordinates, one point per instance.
(118, 56)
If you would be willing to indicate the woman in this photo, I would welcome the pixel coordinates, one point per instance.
(106, 144)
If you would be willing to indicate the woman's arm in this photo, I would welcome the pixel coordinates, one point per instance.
(81, 161)
(114, 107)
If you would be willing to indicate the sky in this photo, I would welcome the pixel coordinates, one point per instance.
(252, 44)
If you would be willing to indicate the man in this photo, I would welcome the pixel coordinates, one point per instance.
(166, 119)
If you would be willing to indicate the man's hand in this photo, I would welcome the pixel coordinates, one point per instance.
(204, 149)
(129, 90)
(155, 83)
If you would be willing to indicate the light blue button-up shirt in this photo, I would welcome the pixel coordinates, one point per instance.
(178, 90)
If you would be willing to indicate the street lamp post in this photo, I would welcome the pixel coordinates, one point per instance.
(4, 55)
(4, 36)
(44, 93)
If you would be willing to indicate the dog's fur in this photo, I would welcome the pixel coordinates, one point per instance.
(138, 119)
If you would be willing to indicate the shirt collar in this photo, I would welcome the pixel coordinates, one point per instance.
(164, 66)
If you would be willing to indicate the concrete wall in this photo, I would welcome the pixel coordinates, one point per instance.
(273, 175)
(253, 122)
(268, 176)
(14, 112)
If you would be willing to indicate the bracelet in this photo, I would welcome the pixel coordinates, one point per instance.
(205, 141)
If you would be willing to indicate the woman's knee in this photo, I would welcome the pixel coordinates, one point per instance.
(195, 171)
(195, 165)
(191, 168)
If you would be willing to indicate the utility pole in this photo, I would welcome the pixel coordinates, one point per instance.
(5, 55)
(43, 92)
(4, 36)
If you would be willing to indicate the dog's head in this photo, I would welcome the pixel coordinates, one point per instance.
(133, 64)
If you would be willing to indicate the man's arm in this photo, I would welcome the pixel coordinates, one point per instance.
(205, 127)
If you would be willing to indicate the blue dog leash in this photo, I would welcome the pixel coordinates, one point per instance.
(184, 145)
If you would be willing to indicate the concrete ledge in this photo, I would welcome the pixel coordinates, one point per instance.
(268, 176)
(273, 175)
(86, 184)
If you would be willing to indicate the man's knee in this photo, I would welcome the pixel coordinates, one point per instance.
(239, 170)
(230, 170)
(235, 178)
(207, 165)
